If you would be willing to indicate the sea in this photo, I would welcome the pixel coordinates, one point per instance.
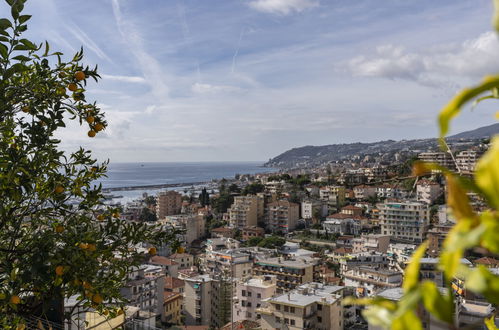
(125, 175)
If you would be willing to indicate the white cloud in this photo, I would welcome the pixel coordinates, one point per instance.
(211, 89)
(128, 79)
(282, 7)
(471, 59)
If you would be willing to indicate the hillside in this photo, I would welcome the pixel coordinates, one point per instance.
(315, 155)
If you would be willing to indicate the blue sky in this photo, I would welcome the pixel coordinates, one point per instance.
(198, 80)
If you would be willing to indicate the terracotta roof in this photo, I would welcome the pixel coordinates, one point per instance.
(173, 282)
(244, 324)
(222, 230)
(169, 296)
(180, 255)
(351, 207)
(159, 260)
(427, 182)
(487, 261)
(343, 250)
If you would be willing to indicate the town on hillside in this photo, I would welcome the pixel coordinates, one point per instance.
(282, 250)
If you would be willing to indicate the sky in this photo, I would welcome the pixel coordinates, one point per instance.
(239, 80)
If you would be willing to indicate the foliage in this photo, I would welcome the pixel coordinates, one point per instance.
(472, 230)
(272, 242)
(253, 241)
(150, 201)
(57, 238)
(204, 198)
(253, 188)
(147, 215)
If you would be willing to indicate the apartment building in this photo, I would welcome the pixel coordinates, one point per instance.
(230, 263)
(406, 220)
(145, 289)
(368, 280)
(364, 192)
(168, 203)
(290, 272)
(184, 260)
(466, 160)
(251, 294)
(172, 305)
(309, 208)
(333, 195)
(244, 211)
(427, 191)
(439, 157)
(282, 216)
(371, 243)
(310, 306)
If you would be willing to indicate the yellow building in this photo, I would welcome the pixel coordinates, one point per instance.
(173, 307)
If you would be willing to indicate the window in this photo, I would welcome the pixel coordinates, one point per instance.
(243, 303)
(258, 295)
(248, 304)
(249, 293)
(243, 293)
(319, 319)
(286, 308)
(278, 319)
(292, 322)
(258, 305)
(292, 309)
(319, 307)
(278, 307)
(286, 321)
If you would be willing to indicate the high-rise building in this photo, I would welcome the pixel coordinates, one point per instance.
(169, 203)
(244, 211)
(282, 216)
(405, 220)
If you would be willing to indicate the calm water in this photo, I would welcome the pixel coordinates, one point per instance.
(140, 174)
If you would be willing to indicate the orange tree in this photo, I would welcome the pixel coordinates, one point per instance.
(472, 230)
(57, 238)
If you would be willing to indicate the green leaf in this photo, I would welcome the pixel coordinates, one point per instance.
(487, 173)
(440, 306)
(411, 275)
(5, 24)
(4, 51)
(378, 316)
(481, 280)
(490, 239)
(453, 108)
(408, 321)
(28, 44)
(458, 200)
(24, 18)
(22, 58)
(490, 323)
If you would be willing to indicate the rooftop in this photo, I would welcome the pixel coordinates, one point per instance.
(299, 263)
(310, 293)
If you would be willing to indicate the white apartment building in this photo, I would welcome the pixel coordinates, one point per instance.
(310, 306)
(427, 191)
(332, 195)
(251, 294)
(310, 207)
(466, 160)
(368, 280)
(406, 220)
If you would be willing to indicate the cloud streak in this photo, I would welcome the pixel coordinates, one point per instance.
(282, 7)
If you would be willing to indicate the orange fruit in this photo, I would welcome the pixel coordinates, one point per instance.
(152, 251)
(61, 90)
(15, 300)
(99, 127)
(100, 217)
(116, 215)
(62, 74)
(72, 87)
(94, 168)
(59, 229)
(180, 250)
(59, 189)
(90, 119)
(91, 247)
(97, 298)
(25, 109)
(59, 270)
(91, 133)
(80, 75)
(86, 285)
(83, 246)
(77, 282)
